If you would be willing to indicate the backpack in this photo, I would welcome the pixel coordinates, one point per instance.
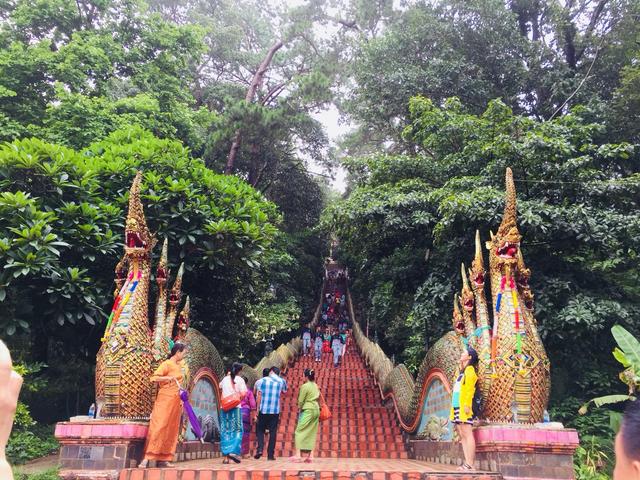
(476, 404)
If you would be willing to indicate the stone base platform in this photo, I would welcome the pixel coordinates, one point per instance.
(518, 452)
(319, 469)
(99, 449)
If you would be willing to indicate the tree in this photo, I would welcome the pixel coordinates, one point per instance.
(64, 234)
(66, 62)
(540, 58)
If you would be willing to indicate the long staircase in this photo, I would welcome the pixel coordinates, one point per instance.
(360, 426)
(361, 441)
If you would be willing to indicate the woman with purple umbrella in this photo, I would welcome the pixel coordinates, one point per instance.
(162, 437)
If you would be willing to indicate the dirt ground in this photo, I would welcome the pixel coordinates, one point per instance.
(38, 465)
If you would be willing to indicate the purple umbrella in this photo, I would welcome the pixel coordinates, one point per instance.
(193, 419)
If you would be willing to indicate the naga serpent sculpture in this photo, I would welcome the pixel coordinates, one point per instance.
(131, 350)
(513, 369)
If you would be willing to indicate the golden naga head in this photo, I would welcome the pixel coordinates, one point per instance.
(183, 318)
(477, 272)
(506, 243)
(137, 236)
(457, 320)
(466, 296)
(528, 299)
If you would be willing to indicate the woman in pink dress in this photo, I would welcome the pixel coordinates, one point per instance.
(248, 408)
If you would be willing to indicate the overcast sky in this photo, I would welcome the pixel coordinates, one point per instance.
(329, 118)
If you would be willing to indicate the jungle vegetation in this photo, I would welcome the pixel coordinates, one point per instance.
(218, 102)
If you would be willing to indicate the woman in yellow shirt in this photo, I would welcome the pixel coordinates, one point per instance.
(461, 405)
(162, 437)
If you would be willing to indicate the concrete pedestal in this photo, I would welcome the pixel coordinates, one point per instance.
(518, 452)
(99, 449)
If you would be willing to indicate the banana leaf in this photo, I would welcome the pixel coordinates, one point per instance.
(628, 344)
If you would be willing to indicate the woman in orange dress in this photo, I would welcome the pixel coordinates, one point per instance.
(164, 426)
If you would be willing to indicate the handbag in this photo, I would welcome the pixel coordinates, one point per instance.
(325, 413)
(231, 401)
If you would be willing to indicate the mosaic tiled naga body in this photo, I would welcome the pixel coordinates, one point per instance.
(131, 349)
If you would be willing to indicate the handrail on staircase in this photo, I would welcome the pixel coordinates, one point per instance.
(391, 380)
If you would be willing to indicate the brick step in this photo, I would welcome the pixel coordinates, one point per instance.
(290, 471)
(361, 426)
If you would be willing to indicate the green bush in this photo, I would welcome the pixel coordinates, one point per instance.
(51, 474)
(594, 458)
(27, 445)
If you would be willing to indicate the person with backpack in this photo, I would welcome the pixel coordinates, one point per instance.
(462, 400)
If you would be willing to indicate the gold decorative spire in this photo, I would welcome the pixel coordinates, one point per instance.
(162, 272)
(183, 320)
(509, 217)
(478, 261)
(137, 232)
(468, 303)
(176, 290)
(458, 323)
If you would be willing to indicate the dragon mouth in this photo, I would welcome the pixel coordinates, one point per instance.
(459, 327)
(507, 251)
(133, 240)
(528, 304)
(478, 280)
(468, 305)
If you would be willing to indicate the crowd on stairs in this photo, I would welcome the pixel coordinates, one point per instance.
(287, 404)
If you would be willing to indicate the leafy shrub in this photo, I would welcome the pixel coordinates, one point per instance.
(51, 474)
(594, 459)
(597, 423)
(27, 445)
(29, 439)
(61, 225)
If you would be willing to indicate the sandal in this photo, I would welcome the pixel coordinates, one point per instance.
(308, 460)
(465, 467)
(143, 464)
(234, 458)
(165, 465)
(295, 459)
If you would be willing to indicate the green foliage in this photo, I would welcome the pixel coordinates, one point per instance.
(626, 353)
(594, 459)
(27, 445)
(61, 229)
(51, 474)
(410, 220)
(74, 77)
(28, 439)
(535, 56)
(596, 424)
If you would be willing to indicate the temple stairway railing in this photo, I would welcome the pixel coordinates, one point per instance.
(394, 382)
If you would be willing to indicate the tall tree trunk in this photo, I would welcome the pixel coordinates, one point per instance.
(258, 77)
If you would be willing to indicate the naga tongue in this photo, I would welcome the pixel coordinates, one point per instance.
(512, 250)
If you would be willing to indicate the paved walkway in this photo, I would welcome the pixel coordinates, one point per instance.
(320, 469)
(322, 464)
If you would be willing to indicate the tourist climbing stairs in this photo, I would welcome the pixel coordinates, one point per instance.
(360, 426)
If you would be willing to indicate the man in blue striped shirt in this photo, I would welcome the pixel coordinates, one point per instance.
(270, 389)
